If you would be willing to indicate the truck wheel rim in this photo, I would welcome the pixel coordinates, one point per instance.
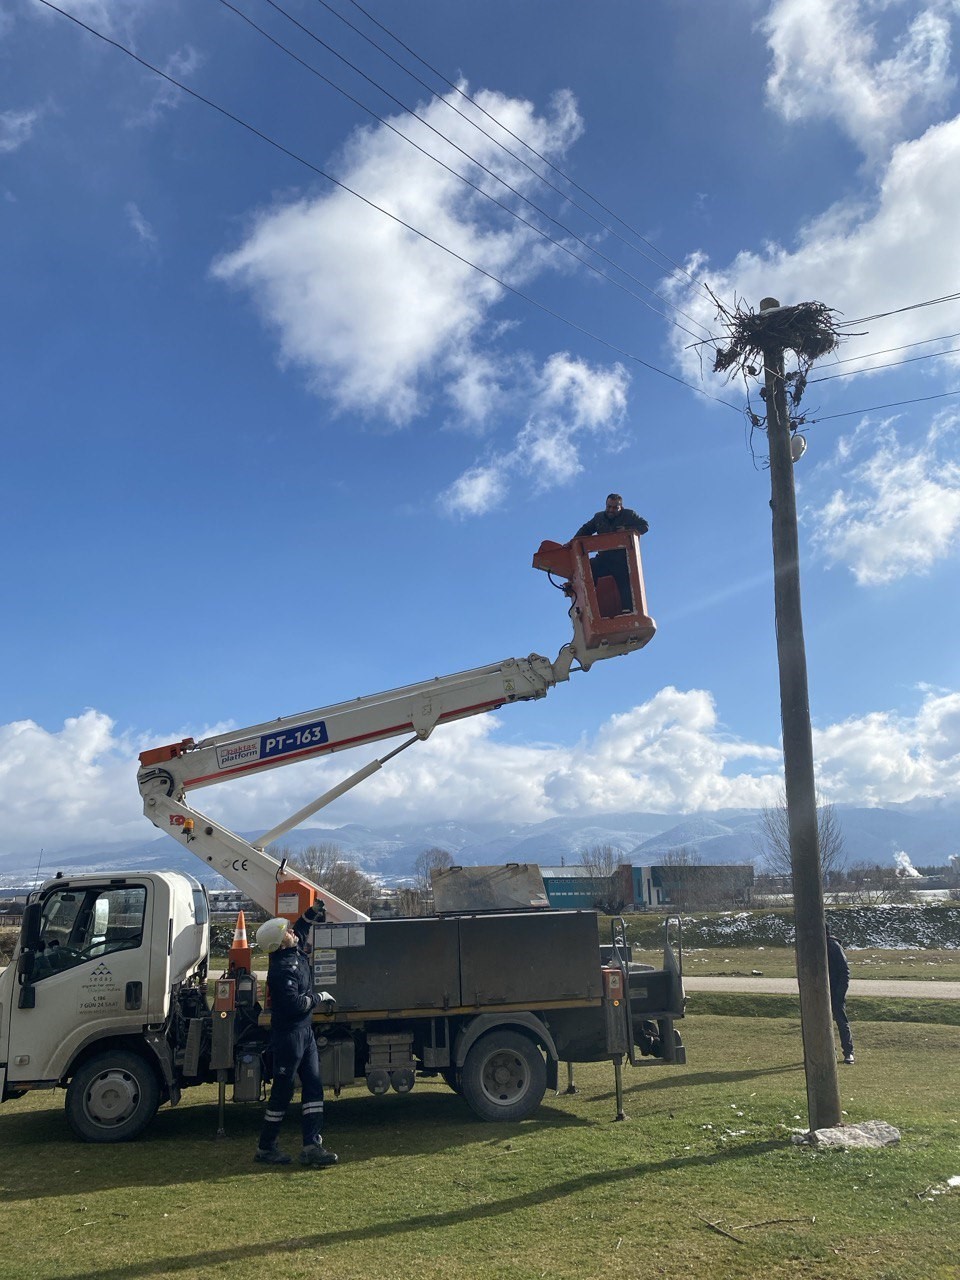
(504, 1077)
(112, 1098)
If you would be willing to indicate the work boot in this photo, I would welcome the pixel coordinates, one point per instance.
(270, 1155)
(317, 1154)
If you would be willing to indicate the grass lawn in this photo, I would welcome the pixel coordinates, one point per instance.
(425, 1190)
(781, 962)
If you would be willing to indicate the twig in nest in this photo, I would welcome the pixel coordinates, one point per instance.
(808, 329)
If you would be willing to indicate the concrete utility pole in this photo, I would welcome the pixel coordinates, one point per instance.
(819, 1054)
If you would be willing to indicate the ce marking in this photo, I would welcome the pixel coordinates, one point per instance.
(240, 864)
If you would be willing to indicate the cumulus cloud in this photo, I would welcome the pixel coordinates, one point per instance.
(568, 401)
(829, 63)
(67, 787)
(669, 754)
(897, 510)
(381, 320)
(16, 128)
(884, 758)
(896, 245)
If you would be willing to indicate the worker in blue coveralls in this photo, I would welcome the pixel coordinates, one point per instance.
(294, 1046)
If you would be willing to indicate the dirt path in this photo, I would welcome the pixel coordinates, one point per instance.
(923, 990)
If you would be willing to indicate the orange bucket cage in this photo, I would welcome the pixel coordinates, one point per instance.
(606, 615)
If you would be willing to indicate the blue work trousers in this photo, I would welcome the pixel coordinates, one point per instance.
(838, 1005)
(294, 1053)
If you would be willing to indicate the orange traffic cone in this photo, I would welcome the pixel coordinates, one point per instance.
(238, 957)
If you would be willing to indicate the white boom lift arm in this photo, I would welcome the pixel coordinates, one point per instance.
(168, 773)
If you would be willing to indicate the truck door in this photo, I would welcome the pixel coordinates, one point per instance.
(91, 976)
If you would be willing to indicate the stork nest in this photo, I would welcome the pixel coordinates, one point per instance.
(808, 329)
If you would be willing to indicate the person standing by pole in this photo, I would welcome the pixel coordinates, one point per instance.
(839, 982)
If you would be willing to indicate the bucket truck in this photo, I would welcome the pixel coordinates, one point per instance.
(107, 994)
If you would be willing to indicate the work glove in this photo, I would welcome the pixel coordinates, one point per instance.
(316, 914)
(324, 1002)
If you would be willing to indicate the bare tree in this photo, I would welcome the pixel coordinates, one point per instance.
(434, 859)
(327, 865)
(600, 863)
(679, 877)
(772, 841)
(869, 884)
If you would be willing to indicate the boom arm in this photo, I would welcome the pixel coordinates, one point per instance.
(168, 773)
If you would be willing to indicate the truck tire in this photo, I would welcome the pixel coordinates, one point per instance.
(112, 1097)
(504, 1076)
(451, 1078)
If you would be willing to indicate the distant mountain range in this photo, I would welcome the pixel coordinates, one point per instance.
(928, 834)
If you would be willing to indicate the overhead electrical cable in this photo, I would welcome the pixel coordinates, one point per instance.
(467, 155)
(513, 155)
(886, 351)
(874, 408)
(371, 204)
(462, 177)
(914, 306)
(890, 364)
(566, 177)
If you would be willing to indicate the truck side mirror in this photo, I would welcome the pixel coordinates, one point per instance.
(30, 928)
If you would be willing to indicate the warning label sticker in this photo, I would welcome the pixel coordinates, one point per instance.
(325, 968)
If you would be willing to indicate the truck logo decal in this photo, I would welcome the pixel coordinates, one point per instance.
(270, 746)
(99, 994)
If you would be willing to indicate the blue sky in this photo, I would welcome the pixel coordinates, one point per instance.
(267, 448)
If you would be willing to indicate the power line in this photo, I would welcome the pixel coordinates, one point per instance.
(874, 408)
(371, 204)
(533, 151)
(914, 306)
(472, 159)
(885, 351)
(891, 364)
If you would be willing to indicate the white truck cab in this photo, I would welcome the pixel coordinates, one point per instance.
(98, 963)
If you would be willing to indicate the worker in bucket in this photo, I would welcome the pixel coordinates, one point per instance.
(614, 517)
(292, 1002)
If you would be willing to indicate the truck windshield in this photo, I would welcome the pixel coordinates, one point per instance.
(83, 924)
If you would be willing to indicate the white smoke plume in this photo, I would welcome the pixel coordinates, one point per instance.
(905, 867)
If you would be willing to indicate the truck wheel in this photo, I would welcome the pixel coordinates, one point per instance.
(113, 1097)
(504, 1076)
(451, 1078)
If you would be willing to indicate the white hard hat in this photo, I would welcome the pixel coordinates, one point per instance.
(271, 933)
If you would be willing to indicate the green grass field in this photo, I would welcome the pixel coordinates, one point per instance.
(781, 962)
(701, 1180)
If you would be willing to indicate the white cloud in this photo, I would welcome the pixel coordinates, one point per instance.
(883, 758)
(568, 400)
(69, 787)
(897, 511)
(378, 317)
(670, 754)
(181, 65)
(108, 16)
(898, 245)
(828, 64)
(140, 225)
(16, 128)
